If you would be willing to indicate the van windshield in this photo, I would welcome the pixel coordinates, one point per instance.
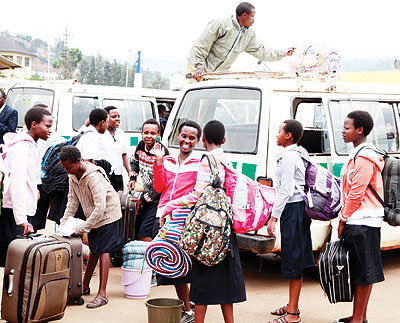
(237, 108)
(133, 113)
(24, 98)
(384, 135)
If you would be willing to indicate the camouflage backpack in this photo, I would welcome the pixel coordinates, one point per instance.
(207, 232)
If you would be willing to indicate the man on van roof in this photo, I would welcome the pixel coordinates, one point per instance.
(224, 39)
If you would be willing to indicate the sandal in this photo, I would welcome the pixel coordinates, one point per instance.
(282, 319)
(86, 291)
(283, 310)
(97, 302)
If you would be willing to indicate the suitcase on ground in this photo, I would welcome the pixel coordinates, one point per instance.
(129, 219)
(36, 278)
(128, 209)
(75, 277)
(334, 273)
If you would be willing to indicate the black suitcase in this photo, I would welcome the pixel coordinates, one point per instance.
(128, 209)
(129, 219)
(334, 273)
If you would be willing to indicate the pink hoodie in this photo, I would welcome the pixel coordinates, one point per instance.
(21, 159)
(173, 180)
(359, 203)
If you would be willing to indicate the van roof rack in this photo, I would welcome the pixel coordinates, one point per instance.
(266, 74)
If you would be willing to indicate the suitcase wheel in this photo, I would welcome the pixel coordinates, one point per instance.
(77, 301)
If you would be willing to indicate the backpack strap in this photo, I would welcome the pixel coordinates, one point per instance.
(215, 181)
(385, 155)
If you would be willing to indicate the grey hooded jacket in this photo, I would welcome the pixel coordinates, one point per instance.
(221, 43)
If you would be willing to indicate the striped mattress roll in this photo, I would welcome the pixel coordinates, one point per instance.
(167, 259)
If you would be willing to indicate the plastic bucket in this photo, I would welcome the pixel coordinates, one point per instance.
(135, 285)
(164, 310)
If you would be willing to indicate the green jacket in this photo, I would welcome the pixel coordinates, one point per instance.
(220, 44)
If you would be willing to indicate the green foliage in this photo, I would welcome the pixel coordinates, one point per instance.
(100, 71)
(68, 62)
(36, 78)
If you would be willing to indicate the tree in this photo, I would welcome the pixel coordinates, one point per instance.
(68, 63)
(83, 71)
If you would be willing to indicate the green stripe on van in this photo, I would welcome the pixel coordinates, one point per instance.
(66, 137)
(249, 170)
(337, 168)
(234, 164)
(134, 141)
(325, 165)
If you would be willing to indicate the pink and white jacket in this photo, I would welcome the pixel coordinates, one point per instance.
(22, 162)
(203, 179)
(173, 180)
(360, 206)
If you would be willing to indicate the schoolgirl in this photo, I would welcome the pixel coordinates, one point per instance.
(296, 247)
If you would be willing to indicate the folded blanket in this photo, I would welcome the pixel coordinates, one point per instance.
(133, 255)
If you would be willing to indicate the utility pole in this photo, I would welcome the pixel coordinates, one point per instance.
(127, 69)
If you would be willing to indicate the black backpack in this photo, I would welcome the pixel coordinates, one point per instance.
(391, 187)
(53, 175)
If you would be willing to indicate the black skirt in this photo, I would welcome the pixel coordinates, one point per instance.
(219, 284)
(108, 238)
(296, 244)
(363, 243)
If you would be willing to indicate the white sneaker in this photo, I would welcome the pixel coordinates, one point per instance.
(187, 318)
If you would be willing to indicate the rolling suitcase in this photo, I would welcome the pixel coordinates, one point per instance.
(334, 273)
(36, 278)
(128, 210)
(75, 278)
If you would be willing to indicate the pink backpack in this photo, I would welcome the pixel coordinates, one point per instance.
(251, 201)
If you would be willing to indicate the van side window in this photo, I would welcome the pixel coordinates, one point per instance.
(24, 98)
(311, 113)
(81, 107)
(133, 112)
(384, 135)
(238, 109)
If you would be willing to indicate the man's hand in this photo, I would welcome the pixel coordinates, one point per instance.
(28, 228)
(340, 228)
(271, 226)
(290, 51)
(198, 73)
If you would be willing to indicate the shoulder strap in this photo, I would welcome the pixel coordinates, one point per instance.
(215, 181)
(212, 163)
(385, 155)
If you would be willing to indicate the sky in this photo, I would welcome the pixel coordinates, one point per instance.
(166, 29)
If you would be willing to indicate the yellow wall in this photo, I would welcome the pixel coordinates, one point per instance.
(390, 77)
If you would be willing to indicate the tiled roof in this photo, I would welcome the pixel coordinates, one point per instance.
(8, 44)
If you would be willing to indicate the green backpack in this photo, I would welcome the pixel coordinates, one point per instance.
(208, 228)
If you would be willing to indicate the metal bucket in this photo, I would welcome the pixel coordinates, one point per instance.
(164, 310)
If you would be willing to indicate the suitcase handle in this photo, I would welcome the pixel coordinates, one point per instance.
(9, 283)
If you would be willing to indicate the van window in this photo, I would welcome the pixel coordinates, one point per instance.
(81, 107)
(311, 113)
(384, 135)
(237, 108)
(133, 113)
(24, 98)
